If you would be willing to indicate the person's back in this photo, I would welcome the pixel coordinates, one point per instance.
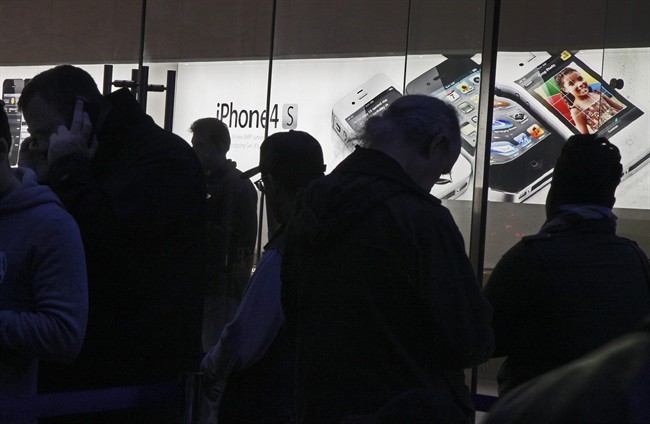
(575, 285)
(377, 290)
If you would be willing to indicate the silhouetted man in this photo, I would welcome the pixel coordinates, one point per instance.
(231, 230)
(137, 193)
(378, 293)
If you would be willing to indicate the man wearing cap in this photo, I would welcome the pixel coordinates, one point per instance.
(250, 372)
(575, 285)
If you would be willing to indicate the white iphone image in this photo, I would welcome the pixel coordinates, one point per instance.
(370, 98)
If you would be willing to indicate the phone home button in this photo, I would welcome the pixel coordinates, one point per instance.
(535, 164)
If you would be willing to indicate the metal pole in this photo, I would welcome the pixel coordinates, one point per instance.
(406, 46)
(107, 86)
(135, 77)
(260, 224)
(143, 86)
(143, 21)
(193, 395)
(169, 100)
(269, 221)
(484, 137)
(270, 74)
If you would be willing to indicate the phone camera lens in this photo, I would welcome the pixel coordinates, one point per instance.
(354, 103)
(617, 83)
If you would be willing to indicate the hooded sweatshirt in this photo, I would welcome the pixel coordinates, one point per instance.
(43, 289)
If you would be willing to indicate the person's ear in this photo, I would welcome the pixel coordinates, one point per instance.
(270, 183)
(436, 146)
(444, 152)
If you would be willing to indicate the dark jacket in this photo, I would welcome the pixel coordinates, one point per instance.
(378, 293)
(232, 226)
(263, 392)
(563, 292)
(140, 206)
(610, 385)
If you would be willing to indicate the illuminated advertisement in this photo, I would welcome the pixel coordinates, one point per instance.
(541, 98)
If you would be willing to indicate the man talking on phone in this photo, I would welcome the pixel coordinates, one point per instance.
(137, 193)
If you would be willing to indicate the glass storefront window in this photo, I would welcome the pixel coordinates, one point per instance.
(330, 74)
(39, 35)
(220, 53)
(444, 61)
(536, 111)
(263, 66)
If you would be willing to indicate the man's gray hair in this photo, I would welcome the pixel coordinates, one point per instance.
(414, 119)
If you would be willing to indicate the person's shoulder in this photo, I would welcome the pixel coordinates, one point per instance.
(37, 202)
(523, 248)
(156, 143)
(522, 257)
(422, 216)
(150, 135)
(234, 172)
(420, 204)
(233, 176)
(634, 246)
(625, 240)
(50, 222)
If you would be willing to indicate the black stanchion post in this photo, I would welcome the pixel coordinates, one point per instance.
(108, 80)
(193, 394)
(169, 99)
(143, 87)
(134, 81)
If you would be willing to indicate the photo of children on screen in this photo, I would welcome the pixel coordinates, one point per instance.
(580, 98)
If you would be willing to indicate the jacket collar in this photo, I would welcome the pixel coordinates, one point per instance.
(376, 163)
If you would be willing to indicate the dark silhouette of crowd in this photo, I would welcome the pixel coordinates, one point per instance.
(126, 254)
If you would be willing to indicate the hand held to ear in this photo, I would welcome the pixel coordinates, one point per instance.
(65, 141)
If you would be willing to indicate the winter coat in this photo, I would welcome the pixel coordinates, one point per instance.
(378, 293)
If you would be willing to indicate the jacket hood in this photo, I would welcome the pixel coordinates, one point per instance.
(342, 199)
(28, 195)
